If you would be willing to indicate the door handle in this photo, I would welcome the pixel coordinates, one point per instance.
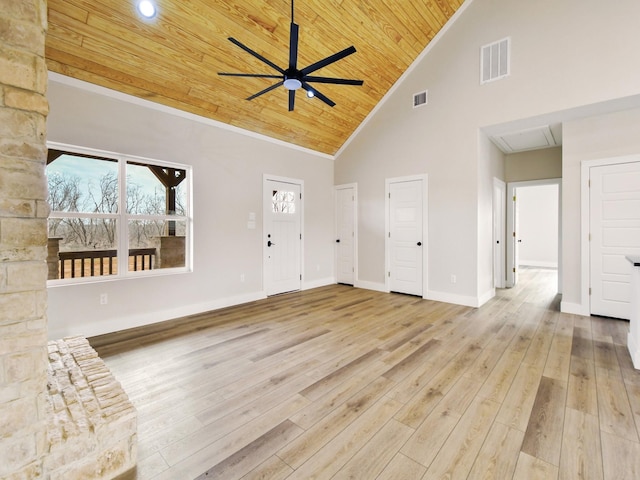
(269, 243)
(338, 241)
(419, 244)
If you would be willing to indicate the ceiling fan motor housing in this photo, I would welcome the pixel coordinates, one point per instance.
(292, 79)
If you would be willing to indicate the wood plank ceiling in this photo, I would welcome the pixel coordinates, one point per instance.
(174, 58)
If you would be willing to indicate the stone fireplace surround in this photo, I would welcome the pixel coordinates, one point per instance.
(62, 414)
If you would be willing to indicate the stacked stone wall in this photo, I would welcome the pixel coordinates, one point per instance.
(23, 239)
(91, 431)
(62, 414)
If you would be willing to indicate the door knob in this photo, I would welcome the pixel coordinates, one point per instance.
(419, 244)
(338, 241)
(269, 243)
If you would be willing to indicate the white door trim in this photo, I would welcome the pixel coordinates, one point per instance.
(353, 186)
(296, 181)
(584, 307)
(425, 229)
(511, 188)
(499, 214)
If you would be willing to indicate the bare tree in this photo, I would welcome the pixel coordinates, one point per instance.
(63, 196)
(66, 195)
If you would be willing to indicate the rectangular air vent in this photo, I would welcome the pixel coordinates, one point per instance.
(495, 61)
(419, 99)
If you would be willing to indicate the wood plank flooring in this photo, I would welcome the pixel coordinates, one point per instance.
(339, 382)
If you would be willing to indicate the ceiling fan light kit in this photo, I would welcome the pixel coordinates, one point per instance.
(291, 78)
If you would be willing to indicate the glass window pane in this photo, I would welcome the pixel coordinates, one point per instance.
(157, 244)
(82, 247)
(82, 184)
(153, 190)
(283, 202)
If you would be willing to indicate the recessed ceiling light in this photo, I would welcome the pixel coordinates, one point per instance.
(147, 8)
(310, 93)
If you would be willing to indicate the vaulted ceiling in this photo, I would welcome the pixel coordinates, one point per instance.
(174, 58)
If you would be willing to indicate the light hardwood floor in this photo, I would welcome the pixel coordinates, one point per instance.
(339, 383)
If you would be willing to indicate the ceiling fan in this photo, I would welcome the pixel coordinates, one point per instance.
(291, 78)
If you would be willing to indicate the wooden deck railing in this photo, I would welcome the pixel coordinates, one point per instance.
(90, 263)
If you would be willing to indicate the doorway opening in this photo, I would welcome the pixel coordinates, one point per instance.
(534, 232)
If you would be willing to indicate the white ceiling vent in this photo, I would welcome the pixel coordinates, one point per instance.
(530, 139)
(419, 99)
(495, 60)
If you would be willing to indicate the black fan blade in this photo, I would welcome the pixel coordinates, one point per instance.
(329, 60)
(337, 81)
(268, 89)
(255, 54)
(292, 99)
(293, 47)
(256, 75)
(316, 93)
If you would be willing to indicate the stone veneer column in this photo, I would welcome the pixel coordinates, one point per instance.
(23, 238)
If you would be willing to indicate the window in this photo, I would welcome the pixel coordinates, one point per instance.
(114, 215)
(283, 202)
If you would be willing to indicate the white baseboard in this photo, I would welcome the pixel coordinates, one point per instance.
(322, 282)
(378, 287)
(467, 301)
(482, 299)
(537, 263)
(575, 308)
(634, 351)
(89, 329)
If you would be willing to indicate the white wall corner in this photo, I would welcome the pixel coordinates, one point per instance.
(375, 286)
(321, 282)
(575, 308)
(484, 298)
(467, 301)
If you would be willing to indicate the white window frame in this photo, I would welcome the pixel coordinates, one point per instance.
(123, 218)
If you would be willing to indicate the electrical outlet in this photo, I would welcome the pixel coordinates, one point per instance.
(104, 299)
(453, 279)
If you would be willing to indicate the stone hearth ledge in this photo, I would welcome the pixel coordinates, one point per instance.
(91, 423)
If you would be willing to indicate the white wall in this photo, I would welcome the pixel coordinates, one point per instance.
(557, 64)
(491, 164)
(593, 138)
(227, 185)
(538, 225)
(533, 165)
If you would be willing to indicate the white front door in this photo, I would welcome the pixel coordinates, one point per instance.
(345, 234)
(282, 237)
(614, 218)
(405, 237)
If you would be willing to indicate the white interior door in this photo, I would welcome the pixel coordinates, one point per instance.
(499, 214)
(282, 237)
(512, 239)
(405, 237)
(345, 234)
(614, 218)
